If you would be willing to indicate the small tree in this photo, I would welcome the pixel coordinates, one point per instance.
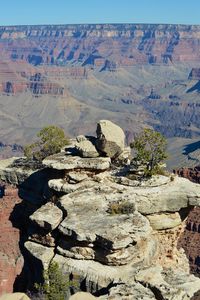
(51, 140)
(150, 148)
(56, 286)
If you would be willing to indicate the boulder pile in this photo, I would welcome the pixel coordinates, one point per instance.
(115, 236)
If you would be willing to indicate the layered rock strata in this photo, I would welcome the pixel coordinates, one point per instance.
(114, 236)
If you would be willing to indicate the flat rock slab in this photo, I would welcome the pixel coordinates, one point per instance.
(61, 161)
(171, 197)
(60, 185)
(41, 253)
(48, 216)
(164, 221)
(109, 231)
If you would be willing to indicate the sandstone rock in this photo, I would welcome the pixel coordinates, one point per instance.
(42, 254)
(167, 198)
(164, 221)
(90, 271)
(15, 296)
(133, 291)
(110, 138)
(13, 175)
(86, 148)
(82, 296)
(48, 216)
(170, 284)
(60, 185)
(77, 176)
(61, 161)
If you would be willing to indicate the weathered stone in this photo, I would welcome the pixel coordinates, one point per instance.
(82, 296)
(13, 175)
(41, 236)
(48, 216)
(170, 284)
(91, 271)
(171, 197)
(60, 185)
(109, 231)
(77, 176)
(164, 221)
(86, 148)
(41, 253)
(14, 296)
(131, 291)
(61, 161)
(110, 138)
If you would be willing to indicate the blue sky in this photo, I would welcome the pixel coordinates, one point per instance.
(16, 12)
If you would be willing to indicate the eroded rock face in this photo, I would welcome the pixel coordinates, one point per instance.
(110, 138)
(109, 231)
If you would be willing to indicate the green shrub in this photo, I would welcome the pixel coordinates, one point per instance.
(123, 207)
(56, 285)
(50, 141)
(150, 147)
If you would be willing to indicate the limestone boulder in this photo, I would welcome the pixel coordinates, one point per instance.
(47, 216)
(110, 138)
(164, 221)
(86, 147)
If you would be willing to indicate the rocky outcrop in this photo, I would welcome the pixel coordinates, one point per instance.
(109, 233)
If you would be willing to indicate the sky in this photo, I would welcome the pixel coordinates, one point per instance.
(32, 12)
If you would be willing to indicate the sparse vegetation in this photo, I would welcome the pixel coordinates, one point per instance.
(56, 285)
(123, 207)
(150, 147)
(50, 141)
